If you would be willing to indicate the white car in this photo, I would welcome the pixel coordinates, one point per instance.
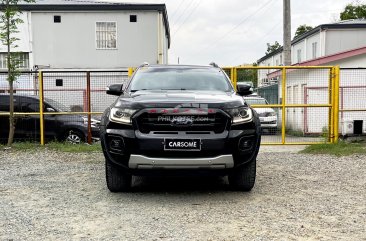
(267, 116)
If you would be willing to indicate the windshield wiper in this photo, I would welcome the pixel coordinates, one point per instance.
(175, 89)
(132, 91)
(138, 90)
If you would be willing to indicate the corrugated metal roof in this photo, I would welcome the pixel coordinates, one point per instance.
(352, 21)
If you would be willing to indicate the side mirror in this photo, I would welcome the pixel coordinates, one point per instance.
(49, 109)
(244, 89)
(115, 89)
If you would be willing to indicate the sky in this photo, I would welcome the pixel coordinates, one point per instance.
(234, 32)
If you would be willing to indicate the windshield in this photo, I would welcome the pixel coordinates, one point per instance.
(256, 101)
(57, 105)
(150, 78)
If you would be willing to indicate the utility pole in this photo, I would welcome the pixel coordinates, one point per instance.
(286, 33)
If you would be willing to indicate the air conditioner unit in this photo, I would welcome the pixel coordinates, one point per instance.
(352, 127)
(347, 127)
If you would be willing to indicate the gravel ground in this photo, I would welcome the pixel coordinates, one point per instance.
(52, 195)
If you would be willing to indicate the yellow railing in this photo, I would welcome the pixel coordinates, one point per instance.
(333, 103)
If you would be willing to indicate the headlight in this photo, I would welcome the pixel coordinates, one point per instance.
(271, 114)
(93, 122)
(240, 115)
(121, 115)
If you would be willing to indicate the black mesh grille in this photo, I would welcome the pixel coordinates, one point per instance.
(215, 122)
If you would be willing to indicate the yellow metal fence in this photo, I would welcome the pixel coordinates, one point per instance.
(306, 100)
(81, 92)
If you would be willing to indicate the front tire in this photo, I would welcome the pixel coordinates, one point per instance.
(243, 177)
(117, 180)
(74, 136)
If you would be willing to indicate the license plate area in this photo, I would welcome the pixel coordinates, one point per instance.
(171, 144)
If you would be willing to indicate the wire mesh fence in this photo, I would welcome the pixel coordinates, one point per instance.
(72, 104)
(352, 101)
(26, 109)
(295, 104)
(303, 111)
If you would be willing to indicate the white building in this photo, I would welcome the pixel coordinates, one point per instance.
(340, 44)
(67, 34)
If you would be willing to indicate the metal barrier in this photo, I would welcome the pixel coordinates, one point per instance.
(305, 100)
(307, 106)
(77, 94)
(352, 98)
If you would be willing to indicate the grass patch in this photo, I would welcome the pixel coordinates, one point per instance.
(340, 149)
(294, 133)
(68, 147)
(57, 146)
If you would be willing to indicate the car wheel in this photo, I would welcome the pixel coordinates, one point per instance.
(243, 177)
(74, 137)
(117, 180)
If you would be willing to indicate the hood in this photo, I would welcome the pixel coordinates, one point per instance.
(172, 98)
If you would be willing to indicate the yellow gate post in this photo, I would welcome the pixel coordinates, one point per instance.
(336, 105)
(283, 126)
(130, 71)
(41, 116)
(232, 75)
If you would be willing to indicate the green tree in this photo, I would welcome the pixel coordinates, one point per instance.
(9, 21)
(302, 29)
(272, 47)
(353, 11)
(248, 75)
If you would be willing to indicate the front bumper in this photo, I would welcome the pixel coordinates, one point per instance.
(136, 152)
(268, 122)
(144, 162)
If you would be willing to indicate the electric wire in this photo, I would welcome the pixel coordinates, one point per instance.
(235, 27)
(188, 16)
(183, 12)
(176, 10)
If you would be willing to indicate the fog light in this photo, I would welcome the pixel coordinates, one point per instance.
(116, 144)
(245, 144)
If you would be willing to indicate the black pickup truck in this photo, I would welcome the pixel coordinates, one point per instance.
(179, 119)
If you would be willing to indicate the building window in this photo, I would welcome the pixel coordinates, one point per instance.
(277, 62)
(106, 35)
(133, 18)
(299, 55)
(59, 82)
(314, 49)
(57, 19)
(281, 63)
(23, 59)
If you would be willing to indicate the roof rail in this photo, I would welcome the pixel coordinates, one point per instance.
(213, 64)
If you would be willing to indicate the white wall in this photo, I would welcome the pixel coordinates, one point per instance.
(23, 36)
(300, 45)
(309, 47)
(72, 43)
(344, 39)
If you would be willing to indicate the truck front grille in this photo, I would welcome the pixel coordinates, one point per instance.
(155, 122)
